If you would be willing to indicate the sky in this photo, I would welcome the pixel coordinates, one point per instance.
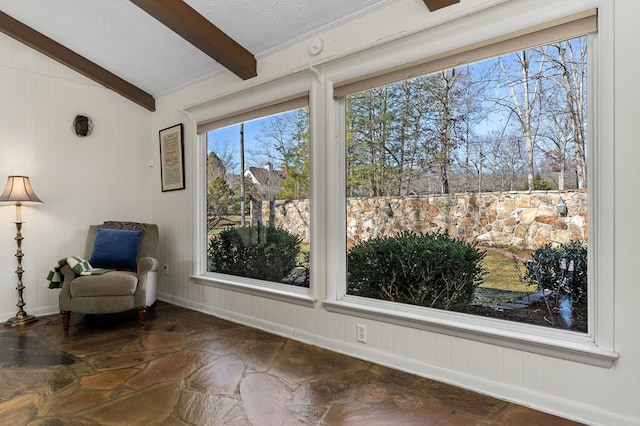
(229, 138)
(226, 140)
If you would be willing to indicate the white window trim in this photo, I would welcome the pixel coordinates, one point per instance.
(272, 290)
(266, 93)
(530, 338)
(595, 347)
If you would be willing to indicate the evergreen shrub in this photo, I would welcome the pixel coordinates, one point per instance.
(262, 252)
(432, 270)
(562, 269)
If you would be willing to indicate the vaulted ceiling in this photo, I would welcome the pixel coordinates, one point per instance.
(144, 48)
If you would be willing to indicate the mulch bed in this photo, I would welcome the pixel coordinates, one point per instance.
(537, 313)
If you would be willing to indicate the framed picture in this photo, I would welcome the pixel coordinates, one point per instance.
(172, 158)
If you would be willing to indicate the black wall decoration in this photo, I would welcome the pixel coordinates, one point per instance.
(82, 125)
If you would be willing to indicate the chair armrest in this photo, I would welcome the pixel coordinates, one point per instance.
(147, 264)
(65, 291)
(147, 277)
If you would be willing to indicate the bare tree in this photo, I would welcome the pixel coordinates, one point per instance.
(524, 92)
(225, 158)
(570, 60)
(468, 156)
(504, 158)
(557, 134)
(215, 167)
(278, 140)
(221, 197)
(445, 121)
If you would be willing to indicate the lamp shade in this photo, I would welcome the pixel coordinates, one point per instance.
(18, 190)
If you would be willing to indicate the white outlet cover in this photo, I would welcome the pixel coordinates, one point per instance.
(361, 333)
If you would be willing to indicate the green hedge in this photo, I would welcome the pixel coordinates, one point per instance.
(562, 269)
(430, 270)
(261, 252)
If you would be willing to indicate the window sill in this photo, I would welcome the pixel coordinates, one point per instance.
(271, 290)
(555, 343)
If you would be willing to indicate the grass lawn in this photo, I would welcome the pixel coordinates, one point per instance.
(504, 273)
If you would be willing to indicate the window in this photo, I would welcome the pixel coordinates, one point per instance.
(417, 140)
(253, 191)
(258, 198)
(466, 188)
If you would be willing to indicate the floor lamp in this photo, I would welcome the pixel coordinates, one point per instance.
(19, 192)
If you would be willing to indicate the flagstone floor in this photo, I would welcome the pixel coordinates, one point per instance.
(188, 368)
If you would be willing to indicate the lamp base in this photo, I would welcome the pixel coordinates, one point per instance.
(21, 320)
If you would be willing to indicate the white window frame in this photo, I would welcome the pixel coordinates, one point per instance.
(595, 347)
(241, 104)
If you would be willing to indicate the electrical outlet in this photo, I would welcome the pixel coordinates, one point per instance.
(165, 269)
(361, 333)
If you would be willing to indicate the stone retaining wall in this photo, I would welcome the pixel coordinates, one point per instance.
(292, 215)
(520, 219)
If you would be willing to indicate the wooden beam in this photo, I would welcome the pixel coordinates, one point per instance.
(197, 30)
(43, 44)
(439, 4)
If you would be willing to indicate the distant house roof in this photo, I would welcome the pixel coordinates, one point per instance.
(266, 180)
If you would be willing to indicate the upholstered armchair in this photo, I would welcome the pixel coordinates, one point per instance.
(129, 251)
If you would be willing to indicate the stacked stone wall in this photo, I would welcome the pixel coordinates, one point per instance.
(292, 215)
(520, 219)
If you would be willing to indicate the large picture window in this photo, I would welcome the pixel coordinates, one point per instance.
(258, 196)
(466, 186)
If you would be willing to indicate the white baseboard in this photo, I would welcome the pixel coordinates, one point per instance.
(38, 312)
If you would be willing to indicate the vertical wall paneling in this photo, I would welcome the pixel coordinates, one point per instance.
(475, 358)
(513, 366)
(398, 339)
(533, 372)
(427, 348)
(493, 362)
(442, 350)
(460, 354)
(412, 343)
(554, 376)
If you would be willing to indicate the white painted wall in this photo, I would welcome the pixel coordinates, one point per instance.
(594, 394)
(80, 180)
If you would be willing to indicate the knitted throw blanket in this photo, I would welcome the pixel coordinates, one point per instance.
(77, 264)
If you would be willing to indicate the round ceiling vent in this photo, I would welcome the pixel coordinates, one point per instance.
(82, 125)
(315, 46)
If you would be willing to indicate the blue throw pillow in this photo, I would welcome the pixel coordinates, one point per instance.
(116, 248)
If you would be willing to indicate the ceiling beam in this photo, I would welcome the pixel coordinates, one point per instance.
(43, 44)
(439, 4)
(199, 31)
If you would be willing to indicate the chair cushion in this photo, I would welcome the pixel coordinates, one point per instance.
(115, 248)
(114, 283)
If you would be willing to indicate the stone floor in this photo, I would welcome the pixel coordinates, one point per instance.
(188, 368)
